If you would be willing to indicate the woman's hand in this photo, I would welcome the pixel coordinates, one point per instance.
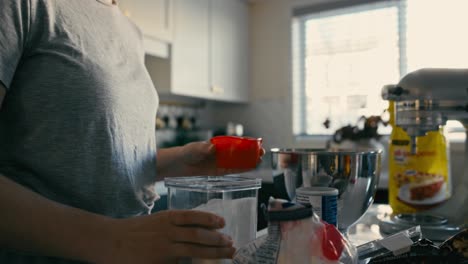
(167, 236)
(193, 159)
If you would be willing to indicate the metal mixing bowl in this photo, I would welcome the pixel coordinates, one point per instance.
(354, 173)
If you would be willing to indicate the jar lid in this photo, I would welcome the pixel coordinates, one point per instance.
(213, 184)
(290, 215)
(322, 191)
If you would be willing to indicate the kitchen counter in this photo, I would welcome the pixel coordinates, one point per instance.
(367, 227)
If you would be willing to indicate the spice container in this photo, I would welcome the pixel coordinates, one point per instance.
(234, 198)
(323, 201)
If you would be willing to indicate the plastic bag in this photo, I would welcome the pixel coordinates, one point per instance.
(420, 181)
(297, 235)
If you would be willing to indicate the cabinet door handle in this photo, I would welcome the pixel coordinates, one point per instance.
(217, 89)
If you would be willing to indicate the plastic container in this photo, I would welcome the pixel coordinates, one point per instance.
(234, 198)
(323, 201)
(297, 235)
(237, 152)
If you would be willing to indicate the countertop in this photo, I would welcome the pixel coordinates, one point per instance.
(367, 228)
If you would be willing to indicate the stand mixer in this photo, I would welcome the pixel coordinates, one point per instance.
(424, 100)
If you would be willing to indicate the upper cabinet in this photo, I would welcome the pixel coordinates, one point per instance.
(190, 67)
(229, 49)
(154, 18)
(209, 51)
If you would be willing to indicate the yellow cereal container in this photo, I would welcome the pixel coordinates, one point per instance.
(420, 181)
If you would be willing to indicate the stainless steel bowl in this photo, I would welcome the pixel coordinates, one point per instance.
(354, 173)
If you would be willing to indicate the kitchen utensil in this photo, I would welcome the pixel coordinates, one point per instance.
(354, 173)
(237, 152)
(234, 198)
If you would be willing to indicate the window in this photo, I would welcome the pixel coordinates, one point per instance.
(343, 56)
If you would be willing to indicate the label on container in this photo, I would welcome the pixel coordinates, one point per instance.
(264, 250)
(325, 207)
(420, 181)
(324, 202)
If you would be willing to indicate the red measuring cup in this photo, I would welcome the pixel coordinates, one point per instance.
(237, 152)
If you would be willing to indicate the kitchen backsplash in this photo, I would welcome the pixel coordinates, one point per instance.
(173, 115)
(179, 122)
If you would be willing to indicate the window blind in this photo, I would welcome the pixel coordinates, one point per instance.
(341, 60)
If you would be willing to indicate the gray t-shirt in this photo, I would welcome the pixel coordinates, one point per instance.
(77, 122)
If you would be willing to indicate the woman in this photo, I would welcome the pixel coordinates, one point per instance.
(78, 160)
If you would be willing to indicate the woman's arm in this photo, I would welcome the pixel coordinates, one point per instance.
(33, 224)
(193, 159)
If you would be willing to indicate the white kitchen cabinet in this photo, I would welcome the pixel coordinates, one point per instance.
(229, 50)
(154, 18)
(209, 52)
(190, 49)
